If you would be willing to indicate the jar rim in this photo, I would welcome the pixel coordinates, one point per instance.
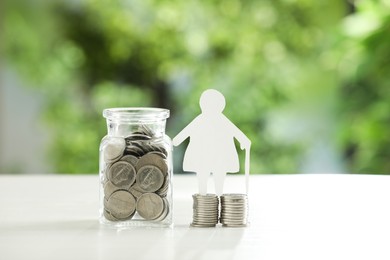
(136, 113)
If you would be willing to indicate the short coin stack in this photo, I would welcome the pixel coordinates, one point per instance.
(137, 177)
(234, 210)
(205, 210)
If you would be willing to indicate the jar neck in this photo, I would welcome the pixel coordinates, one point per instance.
(126, 121)
(123, 129)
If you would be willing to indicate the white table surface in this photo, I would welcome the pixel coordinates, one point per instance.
(292, 217)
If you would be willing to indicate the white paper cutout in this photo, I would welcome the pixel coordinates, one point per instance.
(211, 148)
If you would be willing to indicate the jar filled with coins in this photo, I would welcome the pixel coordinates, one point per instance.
(135, 168)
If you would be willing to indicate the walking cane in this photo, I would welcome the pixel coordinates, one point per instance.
(247, 161)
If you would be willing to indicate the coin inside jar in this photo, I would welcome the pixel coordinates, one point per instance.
(108, 216)
(153, 159)
(150, 206)
(114, 148)
(122, 174)
(150, 178)
(121, 204)
(109, 189)
(130, 159)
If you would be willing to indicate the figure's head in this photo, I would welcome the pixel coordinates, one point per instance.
(212, 101)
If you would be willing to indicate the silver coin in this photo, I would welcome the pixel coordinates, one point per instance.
(227, 208)
(205, 215)
(108, 216)
(198, 204)
(210, 216)
(234, 225)
(210, 207)
(109, 189)
(163, 191)
(140, 144)
(106, 169)
(205, 196)
(153, 159)
(162, 155)
(105, 203)
(121, 204)
(136, 191)
(150, 206)
(206, 204)
(235, 217)
(234, 195)
(130, 159)
(230, 223)
(122, 174)
(113, 148)
(161, 148)
(231, 219)
(205, 210)
(108, 166)
(147, 148)
(206, 200)
(137, 136)
(235, 204)
(150, 178)
(205, 220)
(235, 220)
(234, 211)
(165, 212)
(235, 201)
(146, 130)
(234, 208)
(137, 187)
(202, 225)
(134, 150)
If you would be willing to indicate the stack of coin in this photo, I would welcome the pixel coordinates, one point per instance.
(205, 210)
(137, 177)
(234, 210)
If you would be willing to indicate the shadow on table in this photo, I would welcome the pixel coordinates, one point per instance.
(208, 243)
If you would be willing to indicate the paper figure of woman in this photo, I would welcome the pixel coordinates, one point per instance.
(211, 148)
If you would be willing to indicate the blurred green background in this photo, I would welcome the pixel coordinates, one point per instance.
(307, 81)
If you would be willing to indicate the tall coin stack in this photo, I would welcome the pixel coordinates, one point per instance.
(234, 210)
(136, 177)
(205, 210)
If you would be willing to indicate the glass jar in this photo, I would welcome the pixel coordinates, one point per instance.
(135, 168)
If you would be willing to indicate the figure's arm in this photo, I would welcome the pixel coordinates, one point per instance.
(183, 135)
(241, 137)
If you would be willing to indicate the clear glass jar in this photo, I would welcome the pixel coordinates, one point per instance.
(135, 168)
